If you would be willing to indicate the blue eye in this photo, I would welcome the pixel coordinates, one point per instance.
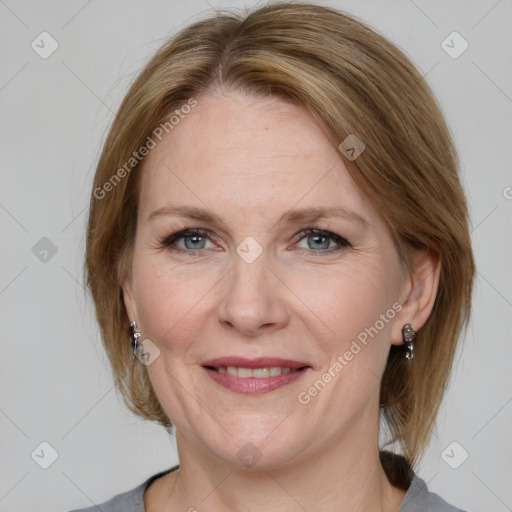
(196, 237)
(322, 240)
(194, 241)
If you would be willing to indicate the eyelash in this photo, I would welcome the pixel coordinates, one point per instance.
(167, 242)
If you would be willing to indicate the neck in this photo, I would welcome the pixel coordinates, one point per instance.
(346, 477)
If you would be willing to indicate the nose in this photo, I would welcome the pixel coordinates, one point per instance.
(254, 298)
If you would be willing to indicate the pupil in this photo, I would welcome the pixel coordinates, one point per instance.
(196, 240)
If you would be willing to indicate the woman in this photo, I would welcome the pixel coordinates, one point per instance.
(278, 233)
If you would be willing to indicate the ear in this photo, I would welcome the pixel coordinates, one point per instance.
(129, 299)
(418, 294)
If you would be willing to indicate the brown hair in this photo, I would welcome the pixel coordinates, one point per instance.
(353, 81)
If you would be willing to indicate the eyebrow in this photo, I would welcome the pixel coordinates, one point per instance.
(297, 216)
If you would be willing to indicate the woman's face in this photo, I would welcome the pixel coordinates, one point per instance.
(255, 284)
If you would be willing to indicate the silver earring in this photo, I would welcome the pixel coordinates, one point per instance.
(138, 348)
(408, 335)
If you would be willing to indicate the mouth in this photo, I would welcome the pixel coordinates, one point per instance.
(254, 376)
(258, 373)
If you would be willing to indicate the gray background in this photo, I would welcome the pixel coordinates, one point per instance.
(55, 382)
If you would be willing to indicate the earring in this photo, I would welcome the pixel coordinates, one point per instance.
(408, 335)
(138, 348)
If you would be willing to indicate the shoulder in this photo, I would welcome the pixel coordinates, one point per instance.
(420, 499)
(128, 501)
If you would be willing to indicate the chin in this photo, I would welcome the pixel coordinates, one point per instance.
(253, 451)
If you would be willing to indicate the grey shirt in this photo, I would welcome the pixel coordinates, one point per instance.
(417, 499)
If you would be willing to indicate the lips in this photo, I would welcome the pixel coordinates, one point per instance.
(254, 376)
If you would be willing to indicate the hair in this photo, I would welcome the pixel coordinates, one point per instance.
(354, 82)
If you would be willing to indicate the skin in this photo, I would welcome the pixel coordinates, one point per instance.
(250, 160)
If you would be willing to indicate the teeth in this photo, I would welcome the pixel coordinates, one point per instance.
(260, 373)
(244, 372)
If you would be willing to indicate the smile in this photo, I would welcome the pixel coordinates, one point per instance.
(259, 373)
(254, 376)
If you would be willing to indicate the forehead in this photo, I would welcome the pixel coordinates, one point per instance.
(252, 154)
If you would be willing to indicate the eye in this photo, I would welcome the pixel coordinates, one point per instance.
(320, 241)
(193, 239)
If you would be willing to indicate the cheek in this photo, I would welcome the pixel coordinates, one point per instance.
(347, 303)
(355, 311)
(169, 299)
